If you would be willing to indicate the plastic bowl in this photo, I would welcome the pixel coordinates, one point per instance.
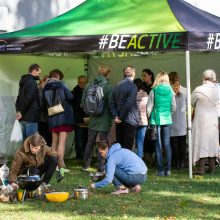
(57, 196)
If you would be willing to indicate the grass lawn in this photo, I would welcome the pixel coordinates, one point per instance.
(174, 197)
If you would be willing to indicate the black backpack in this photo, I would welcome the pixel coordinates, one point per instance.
(94, 99)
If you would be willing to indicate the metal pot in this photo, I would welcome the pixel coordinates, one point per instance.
(29, 183)
(81, 193)
(96, 177)
(38, 193)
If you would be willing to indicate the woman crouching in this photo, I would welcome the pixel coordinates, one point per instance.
(36, 156)
(124, 169)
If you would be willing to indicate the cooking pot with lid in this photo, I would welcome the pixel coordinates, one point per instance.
(29, 183)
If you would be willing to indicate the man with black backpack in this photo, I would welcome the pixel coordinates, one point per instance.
(95, 102)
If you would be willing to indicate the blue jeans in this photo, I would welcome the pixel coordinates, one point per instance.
(123, 178)
(163, 139)
(28, 128)
(140, 136)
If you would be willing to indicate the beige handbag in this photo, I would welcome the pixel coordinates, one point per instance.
(55, 109)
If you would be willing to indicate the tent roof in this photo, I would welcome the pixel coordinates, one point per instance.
(128, 25)
(97, 17)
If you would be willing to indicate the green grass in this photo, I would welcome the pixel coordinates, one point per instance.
(174, 197)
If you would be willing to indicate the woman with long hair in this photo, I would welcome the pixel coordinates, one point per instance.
(161, 103)
(59, 124)
(148, 80)
(141, 99)
(178, 128)
(35, 157)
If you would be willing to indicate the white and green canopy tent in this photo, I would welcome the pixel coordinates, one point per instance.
(134, 27)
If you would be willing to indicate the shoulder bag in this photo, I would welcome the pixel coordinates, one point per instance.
(152, 129)
(57, 106)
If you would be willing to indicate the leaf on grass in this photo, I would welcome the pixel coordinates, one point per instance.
(198, 177)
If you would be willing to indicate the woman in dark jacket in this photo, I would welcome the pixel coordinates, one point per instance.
(62, 123)
(148, 80)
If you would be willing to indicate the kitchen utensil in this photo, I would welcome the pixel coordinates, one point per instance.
(81, 193)
(29, 183)
(57, 196)
(96, 177)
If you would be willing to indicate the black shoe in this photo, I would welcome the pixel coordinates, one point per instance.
(59, 177)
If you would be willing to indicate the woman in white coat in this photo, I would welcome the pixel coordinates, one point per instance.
(205, 135)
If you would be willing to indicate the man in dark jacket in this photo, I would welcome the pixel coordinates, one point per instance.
(124, 108)
(80, 128)
(27, 103)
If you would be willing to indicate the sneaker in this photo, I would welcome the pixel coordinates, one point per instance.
(120, 191)
(59, 177)
(84, 168)
(160, 173)
(136, 189)
(167, 173)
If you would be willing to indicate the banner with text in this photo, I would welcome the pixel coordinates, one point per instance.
(114, 42)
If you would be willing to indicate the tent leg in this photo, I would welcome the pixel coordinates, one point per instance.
(189, 111)
(86, 60)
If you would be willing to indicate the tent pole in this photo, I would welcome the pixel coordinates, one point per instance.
(86, 61)
(189, 110)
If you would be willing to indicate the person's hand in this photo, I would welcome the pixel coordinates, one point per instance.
(18, 115)
(14, 185)
(117, 120)
(92, 186)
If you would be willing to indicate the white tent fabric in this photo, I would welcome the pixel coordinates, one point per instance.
(10, 75)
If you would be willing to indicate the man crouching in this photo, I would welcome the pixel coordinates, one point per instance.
(124, 169)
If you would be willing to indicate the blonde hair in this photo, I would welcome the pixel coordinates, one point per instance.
(105, 67)
(161, 78)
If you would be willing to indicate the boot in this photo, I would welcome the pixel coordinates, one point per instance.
(201, 168)
(211, 165)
